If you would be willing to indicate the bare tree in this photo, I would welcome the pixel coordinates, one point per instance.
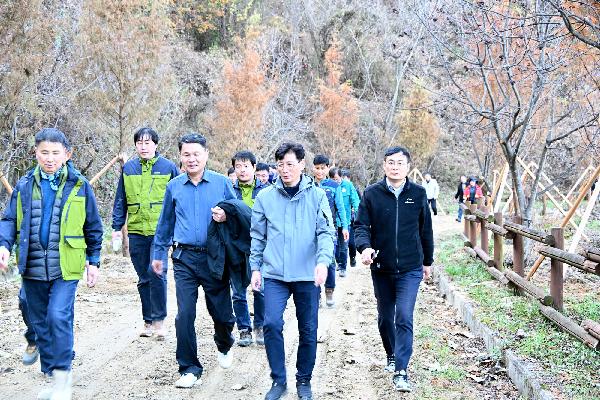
(505, 63)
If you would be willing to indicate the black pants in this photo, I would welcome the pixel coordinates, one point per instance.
(433, 204)
(191, 270)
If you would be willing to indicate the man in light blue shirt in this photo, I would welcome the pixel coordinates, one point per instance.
(189, 204)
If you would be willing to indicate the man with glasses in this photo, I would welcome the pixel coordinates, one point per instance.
(394, 234)
(292, 245)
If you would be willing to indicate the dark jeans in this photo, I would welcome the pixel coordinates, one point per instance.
(240, 304)
(396, 295)
(341, 255)
(152, 287)
(460, 212)
(433, 204)
(306, 301)
(330, 281)
(191, 270)
(29, 332)
(351, 245)
(50, 308)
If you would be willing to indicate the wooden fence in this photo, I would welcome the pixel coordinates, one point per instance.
(478, 221)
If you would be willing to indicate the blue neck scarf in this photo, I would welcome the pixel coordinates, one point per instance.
(54, 178)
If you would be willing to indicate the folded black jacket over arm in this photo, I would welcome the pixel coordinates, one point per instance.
(228, 243)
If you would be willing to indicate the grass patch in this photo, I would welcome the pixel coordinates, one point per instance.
(574, 365)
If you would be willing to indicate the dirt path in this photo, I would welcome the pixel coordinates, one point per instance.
(112, 362)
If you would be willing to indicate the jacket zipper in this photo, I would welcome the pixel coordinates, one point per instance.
(46, 264)
(151, 184)
(396, 239)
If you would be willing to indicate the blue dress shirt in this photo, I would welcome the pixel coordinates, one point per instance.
(186, 214)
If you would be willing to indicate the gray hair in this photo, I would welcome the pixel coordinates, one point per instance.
(52, 135)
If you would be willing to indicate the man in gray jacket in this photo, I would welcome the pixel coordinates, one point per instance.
(292, 244)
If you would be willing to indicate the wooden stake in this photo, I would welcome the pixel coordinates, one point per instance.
(103, 170)
(567, 217)
(556, 271)
(5, 183)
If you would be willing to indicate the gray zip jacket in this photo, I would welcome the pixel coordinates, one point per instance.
(290, 236)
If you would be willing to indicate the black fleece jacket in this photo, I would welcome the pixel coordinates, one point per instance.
(400, 229)
(228, 243)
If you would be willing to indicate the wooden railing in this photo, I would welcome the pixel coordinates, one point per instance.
(478, 218)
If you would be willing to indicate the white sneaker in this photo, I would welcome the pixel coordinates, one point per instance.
(147, 331)
(159, 329)
(225, 359)
(187, 381)
(63, 381)
(45, 394)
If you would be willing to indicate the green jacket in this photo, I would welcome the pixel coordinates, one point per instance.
(80, 224)
(140, 194)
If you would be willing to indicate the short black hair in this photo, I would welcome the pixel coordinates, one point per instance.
(52, 135)
(192, 138)
(397, 149)
(333, 172)
(345, 173)
(244, 155)
(287, 147)
(141, 133)
(320, 159)
(262, 167)
(230, 171)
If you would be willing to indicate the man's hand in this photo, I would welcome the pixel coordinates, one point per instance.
(218, 214)
(255, 281)
(92, 275)
(346, 234)
(4, 256)
(320, 274)
(367, 256)
(157, 267)
(426, 272)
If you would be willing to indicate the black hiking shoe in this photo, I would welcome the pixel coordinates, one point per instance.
(304, 390)
(245, 339)
(277, 391)
(391, 364)
(400, 381)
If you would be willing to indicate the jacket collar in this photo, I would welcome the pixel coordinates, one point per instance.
(305, 183)
(383, 185)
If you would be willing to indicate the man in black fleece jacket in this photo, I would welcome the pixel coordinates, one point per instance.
(394, 235)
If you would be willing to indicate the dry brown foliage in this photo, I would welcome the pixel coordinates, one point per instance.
(336, 124)
(244, 94)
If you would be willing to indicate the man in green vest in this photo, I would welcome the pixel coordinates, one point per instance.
(53, 221)
(138, 201)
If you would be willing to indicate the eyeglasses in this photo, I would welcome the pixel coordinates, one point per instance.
(393, 163)
(289, 165)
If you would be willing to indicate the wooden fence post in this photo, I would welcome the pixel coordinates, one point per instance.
(466, 223)
(473, 227)
(485, 241)
(518, 250)
(498, 244)
(556, 271)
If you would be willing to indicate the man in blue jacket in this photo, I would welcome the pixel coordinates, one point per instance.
(351, 202)
(189, 205)
(336, 203)
(394, 235)
(138, 201)
(246, 188)
(53, 220)
(292, 245)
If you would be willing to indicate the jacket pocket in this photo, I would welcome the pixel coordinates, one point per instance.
(72, 260)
